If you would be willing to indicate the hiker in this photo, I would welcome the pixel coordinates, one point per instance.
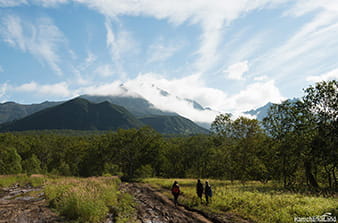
(175, 190)
(207, 191)
(199, 189)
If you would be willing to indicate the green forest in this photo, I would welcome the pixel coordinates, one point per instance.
(296, 145)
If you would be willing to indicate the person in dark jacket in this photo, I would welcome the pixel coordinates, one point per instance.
(207, 192)
(175, 190)
(199, 189)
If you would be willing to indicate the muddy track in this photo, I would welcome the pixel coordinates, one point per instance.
(154, 207)
(25, 205)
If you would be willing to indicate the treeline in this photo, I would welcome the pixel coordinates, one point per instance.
(296, 144)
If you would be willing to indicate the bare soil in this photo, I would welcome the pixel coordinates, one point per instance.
(154, 207)
(25, 205)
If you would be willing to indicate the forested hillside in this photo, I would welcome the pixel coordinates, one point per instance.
(76, 114)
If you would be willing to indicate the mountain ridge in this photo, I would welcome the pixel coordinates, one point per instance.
(81, 114)
(76, 114)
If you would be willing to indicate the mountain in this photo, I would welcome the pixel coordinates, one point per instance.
(76, 114)
(261, 112)
(138, 106)
(10, 111)
(173, 125)
(81, 114)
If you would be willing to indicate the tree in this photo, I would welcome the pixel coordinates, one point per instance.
(10, 161)
(242, 141)
(322, 101)
(287, 124)
(31, 165)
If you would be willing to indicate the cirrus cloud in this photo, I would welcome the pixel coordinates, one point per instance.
(41, 39)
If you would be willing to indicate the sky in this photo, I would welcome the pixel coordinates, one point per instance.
(227, 55)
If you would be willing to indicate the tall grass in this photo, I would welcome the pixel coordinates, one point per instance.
(22, 180)
(264, 203)
(81, 199)
(87, 200)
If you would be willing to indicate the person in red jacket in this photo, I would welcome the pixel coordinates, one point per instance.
(175, 190)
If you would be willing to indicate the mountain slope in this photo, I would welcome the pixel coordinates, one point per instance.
(173, 125)
(261, 112)
(137, 106)
(10, 111)
(76, 114)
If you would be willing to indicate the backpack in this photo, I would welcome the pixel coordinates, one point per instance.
(208, 191)
(175, 189)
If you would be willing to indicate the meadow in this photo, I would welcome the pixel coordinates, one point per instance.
(93, 199)
(259, 202)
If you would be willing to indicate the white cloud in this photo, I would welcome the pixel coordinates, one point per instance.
(255, 95)
(114, 88)
(12, 3)
(159, 52)
(152, 87)
(315, 44)
(41, 39)
(261, 78)
(3, 89)
(90, 58)
(211, 15)
(331, 75)
(236, 71)
(120, 44)
(58, 89)
(305, 6)
(49, 3)
(105, 70)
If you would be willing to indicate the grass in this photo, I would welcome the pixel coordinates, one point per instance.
(81, 199)
(22, 179)
(89, 199)
(264, 203)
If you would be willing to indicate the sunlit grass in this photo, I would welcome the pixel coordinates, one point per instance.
(89, 199)
(81, 199)
(259, 202)
(22, 180)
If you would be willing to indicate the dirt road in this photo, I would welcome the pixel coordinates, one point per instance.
(154, 207)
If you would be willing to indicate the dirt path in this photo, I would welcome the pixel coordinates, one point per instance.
(25, 205)
(154, 207)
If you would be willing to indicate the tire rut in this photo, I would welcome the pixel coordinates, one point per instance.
(154, 207)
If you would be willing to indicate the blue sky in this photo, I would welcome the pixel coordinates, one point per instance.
(231, 56)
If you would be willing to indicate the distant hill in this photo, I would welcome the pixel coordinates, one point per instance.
(138, 106)
(76, 114)
(173, 125)
(10, 111)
